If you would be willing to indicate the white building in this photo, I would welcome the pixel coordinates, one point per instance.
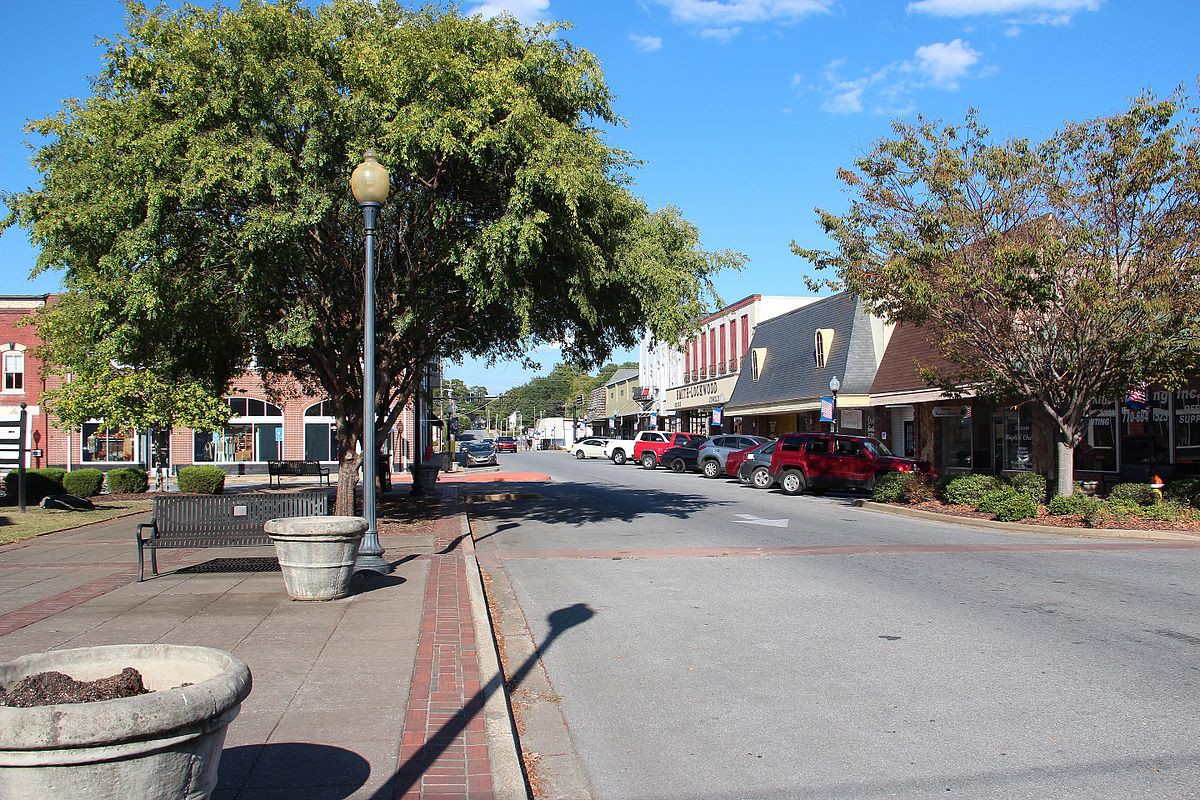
(660, 365)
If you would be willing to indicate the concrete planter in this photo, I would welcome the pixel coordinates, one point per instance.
(424, 475)
(316, 554)
(165, 744)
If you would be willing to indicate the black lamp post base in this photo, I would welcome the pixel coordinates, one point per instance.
(373, 563)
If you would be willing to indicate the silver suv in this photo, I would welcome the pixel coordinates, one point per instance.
(712, 455)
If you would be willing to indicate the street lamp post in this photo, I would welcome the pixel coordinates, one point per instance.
(834, 385)
(369, 183)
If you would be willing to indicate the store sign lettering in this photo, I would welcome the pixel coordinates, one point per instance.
(696, 390)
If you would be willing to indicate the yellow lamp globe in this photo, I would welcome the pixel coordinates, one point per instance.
(369, 182)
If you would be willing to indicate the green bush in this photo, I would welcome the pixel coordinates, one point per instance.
(990, 502)
(1185, 491)
(1133, 493)
(1029, 484)
(1162, 512)
(126, 480)
(1075, 504)
(39, 483)
(1016, 507)
(889, 488)
(967, 490)
(84, 482)
(202, 480)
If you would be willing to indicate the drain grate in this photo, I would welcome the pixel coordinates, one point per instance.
(248, 564)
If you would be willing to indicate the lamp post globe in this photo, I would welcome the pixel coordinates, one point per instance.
(369, 184)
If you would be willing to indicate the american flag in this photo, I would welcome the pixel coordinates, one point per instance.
(1138, 395)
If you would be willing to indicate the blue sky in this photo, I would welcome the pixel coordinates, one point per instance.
(742, 110)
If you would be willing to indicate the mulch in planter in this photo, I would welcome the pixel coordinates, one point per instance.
(52, 688)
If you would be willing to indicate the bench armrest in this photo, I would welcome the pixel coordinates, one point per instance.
(152, 525)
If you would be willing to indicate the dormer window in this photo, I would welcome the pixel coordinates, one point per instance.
(822, 342)
(758, 361)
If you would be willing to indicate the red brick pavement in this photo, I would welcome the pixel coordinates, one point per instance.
(443, 752)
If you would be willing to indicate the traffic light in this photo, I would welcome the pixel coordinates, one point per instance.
(579, 401)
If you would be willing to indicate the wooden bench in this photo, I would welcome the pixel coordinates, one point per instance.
(234, 520)
(278, 469)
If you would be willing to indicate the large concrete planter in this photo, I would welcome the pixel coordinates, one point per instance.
(165, 744)
(316, 554)
(424, 476)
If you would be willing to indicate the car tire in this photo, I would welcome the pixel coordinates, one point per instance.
(712, 468)
(579, 455)
(792, 482)
(678, 465)
(618, 457)
(649, 461)
(761, 478)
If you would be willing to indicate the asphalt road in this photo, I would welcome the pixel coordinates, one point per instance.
(850, 654)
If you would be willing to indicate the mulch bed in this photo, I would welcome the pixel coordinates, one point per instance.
(53, 688)
(1066, 520)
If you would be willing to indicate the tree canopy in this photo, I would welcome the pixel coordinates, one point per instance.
(199, 199)
(1062, 272)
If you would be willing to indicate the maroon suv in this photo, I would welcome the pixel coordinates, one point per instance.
(821, 461)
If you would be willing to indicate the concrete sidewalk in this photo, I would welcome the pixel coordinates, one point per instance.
(392, 692)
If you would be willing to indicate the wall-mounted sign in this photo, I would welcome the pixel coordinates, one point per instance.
(852, 418)
(951, 411)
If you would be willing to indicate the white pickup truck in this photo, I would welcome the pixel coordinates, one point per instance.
(655, 442)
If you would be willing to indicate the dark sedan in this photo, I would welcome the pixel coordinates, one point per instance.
(478, 454)
(680, 459)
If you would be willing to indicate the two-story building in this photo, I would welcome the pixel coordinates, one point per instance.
(621, 403)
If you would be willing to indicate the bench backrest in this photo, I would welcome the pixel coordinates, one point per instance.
(233, 514)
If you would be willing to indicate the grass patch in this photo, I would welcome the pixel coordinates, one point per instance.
(15, 526)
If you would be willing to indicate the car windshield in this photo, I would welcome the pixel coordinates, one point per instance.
(877, 448)
(484, 445)
(507, 439)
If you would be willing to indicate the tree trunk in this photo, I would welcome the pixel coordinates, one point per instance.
(347, 481)
(1065, 484)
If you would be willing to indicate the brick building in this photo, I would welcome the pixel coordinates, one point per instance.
(290, 423)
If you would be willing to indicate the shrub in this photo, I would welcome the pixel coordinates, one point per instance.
(39, 483)
(1096, 514)
(1075, 504)
(202, 480)
(1133, 493)
(991, 501)
(126, 480)
(967, 490)
(1015, 507)
(1029, 484)
(1185, 491)
(84, 482)
(889, 488)
(1162, 512)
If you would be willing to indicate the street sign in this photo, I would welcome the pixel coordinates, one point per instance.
(279, 434)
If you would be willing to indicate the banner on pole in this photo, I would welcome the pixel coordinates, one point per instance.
(826, 409)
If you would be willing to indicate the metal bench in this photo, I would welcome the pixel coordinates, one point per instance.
(277, 469)
(234, 520)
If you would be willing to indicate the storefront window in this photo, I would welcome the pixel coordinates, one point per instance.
(1143, 441)
(1012, 434)
(320, 433)
(1098, 450)
(953, 429)
(1187, 430)
(99, 443)
(254, 434)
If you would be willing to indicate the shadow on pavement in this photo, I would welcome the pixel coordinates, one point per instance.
(409, 773)
(302, 766)
(583, 503)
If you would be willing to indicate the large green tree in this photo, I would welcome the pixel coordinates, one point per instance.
(200, 197)
(1062, 272)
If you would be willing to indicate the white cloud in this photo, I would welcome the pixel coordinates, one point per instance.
(944, 63)
(972, 8)
(647, 44)
(720, 34)
(845, 102)
(727, 13)
(527, 11)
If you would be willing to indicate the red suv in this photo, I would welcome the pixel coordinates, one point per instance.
(821, 461)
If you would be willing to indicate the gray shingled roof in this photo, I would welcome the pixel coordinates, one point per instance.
(622, 375)
(790, 374)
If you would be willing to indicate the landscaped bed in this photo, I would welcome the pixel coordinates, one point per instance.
(35, 521)
(1024, 498)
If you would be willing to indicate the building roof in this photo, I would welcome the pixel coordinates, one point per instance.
(622, 375)
(789, 373)
(910, 348)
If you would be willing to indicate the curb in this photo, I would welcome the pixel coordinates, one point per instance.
(508, 778)
(1017, 527)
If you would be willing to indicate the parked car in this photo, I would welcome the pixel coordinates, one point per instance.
(622, 450)
(679, 459)
(506, 444)
(755, 466)
(715, 450)
(648, 452)
(734, 460)
(822, 461)
(590, 448)
(478, 454)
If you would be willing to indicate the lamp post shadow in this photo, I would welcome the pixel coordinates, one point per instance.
(410, 772)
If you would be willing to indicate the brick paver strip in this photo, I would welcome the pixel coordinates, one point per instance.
(48, 607)
(443, 752)
(837, 550)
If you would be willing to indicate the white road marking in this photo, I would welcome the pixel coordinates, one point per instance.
(750, 519)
